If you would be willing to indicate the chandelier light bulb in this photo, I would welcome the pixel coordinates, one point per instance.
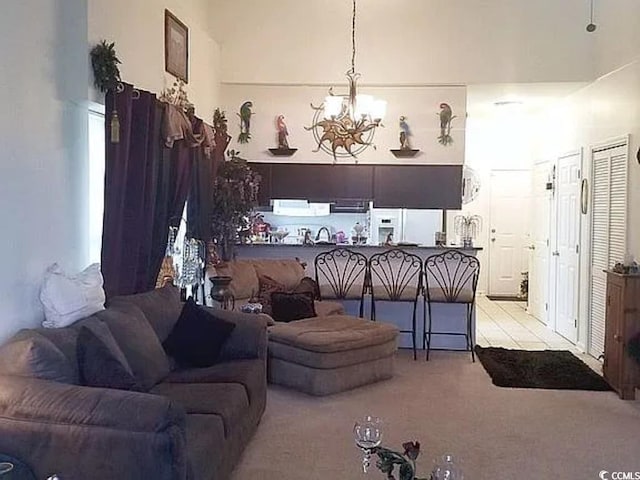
(332, 106)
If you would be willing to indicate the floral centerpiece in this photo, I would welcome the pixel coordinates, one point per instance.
(235, 195)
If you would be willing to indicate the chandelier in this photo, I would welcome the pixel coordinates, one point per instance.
(344, 125)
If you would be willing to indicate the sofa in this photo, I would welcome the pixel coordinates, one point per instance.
(186, 423)
(248, 273)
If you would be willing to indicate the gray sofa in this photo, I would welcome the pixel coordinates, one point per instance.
(187, 424)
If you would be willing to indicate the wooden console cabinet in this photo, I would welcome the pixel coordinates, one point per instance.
(622, 322)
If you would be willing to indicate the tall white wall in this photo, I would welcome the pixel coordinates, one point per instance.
(405, 41)
(420, 105)
(137, 28)
(607, 108)
(43, 133)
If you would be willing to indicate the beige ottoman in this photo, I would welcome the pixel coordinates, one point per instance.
(325, 355)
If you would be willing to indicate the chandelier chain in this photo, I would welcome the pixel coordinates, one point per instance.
(353, 39)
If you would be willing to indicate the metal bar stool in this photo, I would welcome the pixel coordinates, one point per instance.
(342, 274)
(396, 276)
(451, 278)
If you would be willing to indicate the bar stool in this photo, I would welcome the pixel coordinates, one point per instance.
(342, 274)
(451, 278)
(396, 276)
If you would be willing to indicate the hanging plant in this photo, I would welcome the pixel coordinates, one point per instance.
(104, 62)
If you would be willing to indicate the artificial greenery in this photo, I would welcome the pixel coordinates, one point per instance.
(406, 461)
(104, 61)
(235, 195)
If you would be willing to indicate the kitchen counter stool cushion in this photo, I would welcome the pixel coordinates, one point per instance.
(100, 365)
(198, 336)
(288, 307)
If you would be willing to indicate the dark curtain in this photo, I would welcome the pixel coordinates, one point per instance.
(202, 179)
(146, 186)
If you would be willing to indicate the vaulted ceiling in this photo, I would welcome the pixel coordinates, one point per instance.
(423, 41)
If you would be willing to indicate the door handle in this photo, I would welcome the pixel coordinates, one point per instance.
(532, 247)
(493, 239)
(556, 254)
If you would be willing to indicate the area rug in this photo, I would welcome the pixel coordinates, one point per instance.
(550, 369)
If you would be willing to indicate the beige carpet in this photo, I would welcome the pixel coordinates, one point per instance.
(450, 406)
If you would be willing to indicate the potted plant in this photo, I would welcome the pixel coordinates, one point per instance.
(235, 195)
(467, 227)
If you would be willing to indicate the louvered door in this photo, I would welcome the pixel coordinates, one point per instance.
(608, 232)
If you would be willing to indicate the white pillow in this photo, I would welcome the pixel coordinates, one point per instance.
(67, 298)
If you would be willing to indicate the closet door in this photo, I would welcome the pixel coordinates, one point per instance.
(608, 231)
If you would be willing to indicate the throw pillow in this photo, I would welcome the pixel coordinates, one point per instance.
(268, 286)
(67, 298)
(198, 336)
(100, 365)
(308, 285)
(30, 354)
(288, 307)
(139, 343)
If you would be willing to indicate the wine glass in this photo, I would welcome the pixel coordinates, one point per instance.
(5, 467)
(447, 468)
(368, 435)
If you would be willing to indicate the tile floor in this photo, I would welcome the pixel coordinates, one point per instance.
(508, 325)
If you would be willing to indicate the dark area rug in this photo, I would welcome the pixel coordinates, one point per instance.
(552, 369)
(505, 298)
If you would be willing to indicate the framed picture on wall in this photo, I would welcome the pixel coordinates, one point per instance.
(176, 47)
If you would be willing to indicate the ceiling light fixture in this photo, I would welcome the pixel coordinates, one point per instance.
(344, 125)
(592, 26)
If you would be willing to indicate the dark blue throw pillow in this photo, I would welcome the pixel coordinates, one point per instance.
(197, 337)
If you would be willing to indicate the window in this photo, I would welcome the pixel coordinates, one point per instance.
(96, 180)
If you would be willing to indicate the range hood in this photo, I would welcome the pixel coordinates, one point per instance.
(300, 208)
(350, 205)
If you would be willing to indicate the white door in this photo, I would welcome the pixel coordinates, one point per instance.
(608, 231)
(539, 255)
(508, 230)
(566, 257)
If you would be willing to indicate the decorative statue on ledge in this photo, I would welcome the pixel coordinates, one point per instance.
(406, 150)
(283, 149)
(283, 133)
(405, 134)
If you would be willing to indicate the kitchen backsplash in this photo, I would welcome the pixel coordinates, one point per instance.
(335, 222)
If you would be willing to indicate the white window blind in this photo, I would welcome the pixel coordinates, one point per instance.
(608, 232)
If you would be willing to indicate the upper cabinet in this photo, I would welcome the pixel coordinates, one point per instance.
(419, 186)
(390, 186)
(316, 183)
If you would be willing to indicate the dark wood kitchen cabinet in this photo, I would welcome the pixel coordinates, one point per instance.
(389, 186)
(315, 182)
(622, 323)
(418, 186)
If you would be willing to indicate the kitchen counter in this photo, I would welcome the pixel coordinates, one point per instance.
(355, 247)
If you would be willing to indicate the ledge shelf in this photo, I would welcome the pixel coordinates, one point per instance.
(405, 152)
(282, 152)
